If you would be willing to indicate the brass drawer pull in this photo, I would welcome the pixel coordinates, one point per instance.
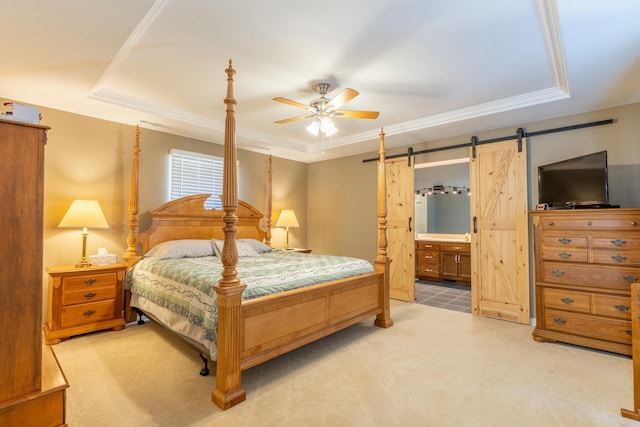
(564, 255)
(567, 300)
(90, 281)
(633, 223)
(559, 321)
(557, 273)
(90, 295)
(564, 241)
(619, 258)
(628, 332)
(630, 279)
(621, 307)
(89, 313)
(619, 242)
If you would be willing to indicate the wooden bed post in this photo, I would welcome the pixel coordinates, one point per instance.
(382, 261)
(267, 211)
(634, 413)
(229, 391)
(132, 256)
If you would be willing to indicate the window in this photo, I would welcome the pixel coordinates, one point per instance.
(195, 173)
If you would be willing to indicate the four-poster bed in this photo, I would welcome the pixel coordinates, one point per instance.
(251, 331)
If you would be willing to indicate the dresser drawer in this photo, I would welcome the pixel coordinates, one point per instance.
(616, 257)
(90, 280)
(423, 244)
(589, 275)
(567, 300)
(565, 254)
(81, 314)
(612, 306)
(593, 222)
(88, 295)
(626, 243)
(589, 326)
(565, 241)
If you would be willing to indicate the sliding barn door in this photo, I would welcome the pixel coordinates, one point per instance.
(400, 231)
(499, 226)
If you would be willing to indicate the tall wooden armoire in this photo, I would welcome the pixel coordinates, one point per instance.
(32, 385)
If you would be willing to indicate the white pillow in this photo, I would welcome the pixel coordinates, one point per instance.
(257, 245)
(186, 248)
(244, 249)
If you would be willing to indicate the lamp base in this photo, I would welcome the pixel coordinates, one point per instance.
(83, 263)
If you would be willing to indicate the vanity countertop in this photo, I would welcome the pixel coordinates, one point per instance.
(457, 238)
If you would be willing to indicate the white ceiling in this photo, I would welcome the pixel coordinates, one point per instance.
(432, 68)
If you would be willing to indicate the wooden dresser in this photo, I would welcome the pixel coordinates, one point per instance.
(32, 386)
(585, 262)
(84, 299)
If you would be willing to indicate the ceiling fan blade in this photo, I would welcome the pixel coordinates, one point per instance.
(290, 102)
(342, 98)
(293, 119)
(358, 114)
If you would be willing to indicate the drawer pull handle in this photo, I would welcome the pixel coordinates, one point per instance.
(428, 270)
(90, 281)
(559, 321)
(628, 332)
(564, 255)
(633, 223)
(619, 258)
(622, 308)
(564, 241)
(589, 223)
(90, 295)
(428, 256)
(567, 300)
(619, 242)
(557, 273)
(630, 279)
(89, 313)
(551, 223)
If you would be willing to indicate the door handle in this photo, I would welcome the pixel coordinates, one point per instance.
(475, 224)
(410, 223)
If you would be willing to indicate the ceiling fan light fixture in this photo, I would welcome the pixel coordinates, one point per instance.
(327, 127)
(313, 128)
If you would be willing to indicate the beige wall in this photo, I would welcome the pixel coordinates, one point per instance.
(342, 195)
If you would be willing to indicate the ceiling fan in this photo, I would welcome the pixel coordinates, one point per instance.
(324, 109)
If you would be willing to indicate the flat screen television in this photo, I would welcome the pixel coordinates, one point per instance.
(575, 183)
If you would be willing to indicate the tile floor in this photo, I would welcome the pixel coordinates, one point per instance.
(447, 295)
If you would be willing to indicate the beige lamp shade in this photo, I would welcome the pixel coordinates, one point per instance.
(287, 219)
(84, 214)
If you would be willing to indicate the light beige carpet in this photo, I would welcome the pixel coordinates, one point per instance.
(434, 367)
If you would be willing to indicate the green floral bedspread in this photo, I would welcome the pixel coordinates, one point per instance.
(185, 285)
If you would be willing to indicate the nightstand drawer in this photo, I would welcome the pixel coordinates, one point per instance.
(89, 295)
(89, 280)
(81, 314)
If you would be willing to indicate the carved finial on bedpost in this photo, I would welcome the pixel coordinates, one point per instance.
(132, 255)
(382, 261)
(267, 210)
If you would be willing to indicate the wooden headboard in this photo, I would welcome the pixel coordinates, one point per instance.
(187, 218)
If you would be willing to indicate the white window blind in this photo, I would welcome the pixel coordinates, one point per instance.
(195, 173)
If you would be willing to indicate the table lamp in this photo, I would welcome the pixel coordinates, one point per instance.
(287, 219)
(84, 214)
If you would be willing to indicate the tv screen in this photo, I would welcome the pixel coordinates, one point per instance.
(578, 182)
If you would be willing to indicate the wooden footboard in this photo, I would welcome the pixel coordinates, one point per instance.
(276, 324)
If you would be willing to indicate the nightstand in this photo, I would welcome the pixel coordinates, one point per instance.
(84, 299)
(301, 250)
